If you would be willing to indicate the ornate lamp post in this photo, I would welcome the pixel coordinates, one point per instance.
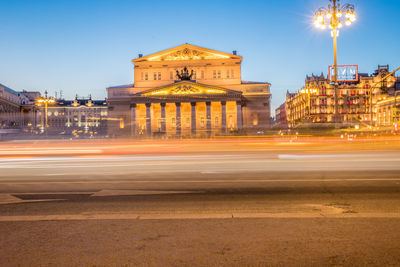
(45, 101)
(334, 17)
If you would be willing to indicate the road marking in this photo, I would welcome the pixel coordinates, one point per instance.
(108, 193)
(194, 216)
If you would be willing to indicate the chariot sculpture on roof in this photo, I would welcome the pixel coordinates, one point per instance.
(184, 74)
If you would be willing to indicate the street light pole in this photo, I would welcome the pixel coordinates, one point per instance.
(46, 101)
(333, 17)
(336, 117)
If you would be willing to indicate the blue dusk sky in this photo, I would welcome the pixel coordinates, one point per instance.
(83, 46)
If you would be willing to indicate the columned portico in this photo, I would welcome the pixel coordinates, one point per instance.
(203, 112)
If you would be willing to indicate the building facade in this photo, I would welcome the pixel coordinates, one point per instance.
(280, 117)
(188, 91)
(17, 109)
(314, 104)
(79, 117)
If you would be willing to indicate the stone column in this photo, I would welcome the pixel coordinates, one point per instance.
(239, 115)
(178, 119)
(148, 119)
(223, 117)
(193, 117)
(208, 105)
(163, 120)
(133, 119)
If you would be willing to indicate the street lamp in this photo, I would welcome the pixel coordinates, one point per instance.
(334, 17)
(46, 101)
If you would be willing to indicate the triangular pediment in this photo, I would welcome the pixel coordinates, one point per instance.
(186, 52)
(188, 88)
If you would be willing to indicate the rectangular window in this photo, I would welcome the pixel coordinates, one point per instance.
(227, 74)
(173, 122)
(142, 76)
(155, 75)
(202, 74)
(202, 122)
(188, 122)
(159, 76)
(216, 121)
(194, 75)
(232, 74)
(219, 74)
(171, 75)
(146, 76)
(214, 74)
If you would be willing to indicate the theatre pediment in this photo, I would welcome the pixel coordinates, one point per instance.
(186, 52)
(188, 88)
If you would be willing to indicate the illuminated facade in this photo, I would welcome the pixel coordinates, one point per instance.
(207, 98)
(314, 104)
(388, 108)
(79, 117)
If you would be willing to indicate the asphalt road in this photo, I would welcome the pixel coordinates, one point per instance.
(253, 202)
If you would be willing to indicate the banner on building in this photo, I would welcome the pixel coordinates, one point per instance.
(346, 73)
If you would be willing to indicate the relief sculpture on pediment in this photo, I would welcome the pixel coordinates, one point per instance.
(185, 89)
(189, 54)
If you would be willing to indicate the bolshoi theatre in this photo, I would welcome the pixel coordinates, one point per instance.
(188, 91)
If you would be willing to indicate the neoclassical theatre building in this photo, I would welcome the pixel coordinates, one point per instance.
(188, 91)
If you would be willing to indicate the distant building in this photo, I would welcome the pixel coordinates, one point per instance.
(188, 91)
(17, 109)
(280, 117)
(80, 117)
(387, 108)
(314, 104)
